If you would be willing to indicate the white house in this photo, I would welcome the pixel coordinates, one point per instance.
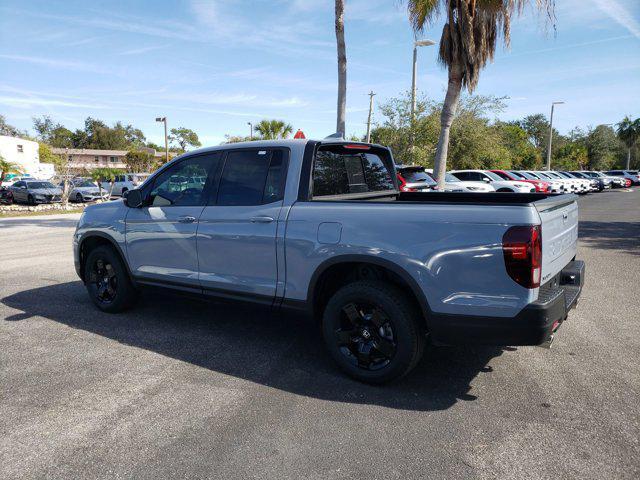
(24, 153)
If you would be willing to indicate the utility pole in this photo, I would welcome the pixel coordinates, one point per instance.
(250, 130)
(371, 95)
(166, 137)
(553, 104)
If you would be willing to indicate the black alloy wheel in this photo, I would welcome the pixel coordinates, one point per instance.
(365, 336)
(104, 280)
(31, 200)
(79, 198)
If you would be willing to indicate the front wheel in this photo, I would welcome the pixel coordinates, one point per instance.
(31, 200)
(107, 281)
(372, 330)
(79, 198)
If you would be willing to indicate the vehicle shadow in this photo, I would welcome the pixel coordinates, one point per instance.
(611, 235)
(275, 350)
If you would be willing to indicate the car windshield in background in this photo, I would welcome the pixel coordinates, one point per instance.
(87, 183)
(416, 176)
(502, 175)
(37, 185)
(528, 176)
(493, 176)
(632, 172)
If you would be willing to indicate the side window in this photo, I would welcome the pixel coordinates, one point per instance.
(252, 177)
(462, 175)
(183, 184)
(340, 172)
(19, 184)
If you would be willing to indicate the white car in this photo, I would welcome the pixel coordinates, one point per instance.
(497, 182)
(125, 182)
(454, 184)
(558, 185)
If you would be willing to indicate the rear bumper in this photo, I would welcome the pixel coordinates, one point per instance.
(534, 325)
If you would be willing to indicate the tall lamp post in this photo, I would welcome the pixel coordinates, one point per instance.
(553, 104)
(250, 130)
(414, 87)
(166, 138)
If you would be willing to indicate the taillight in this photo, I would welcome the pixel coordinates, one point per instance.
(522, 250)
(403, 184)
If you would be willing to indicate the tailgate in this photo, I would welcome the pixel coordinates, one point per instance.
(559, 221)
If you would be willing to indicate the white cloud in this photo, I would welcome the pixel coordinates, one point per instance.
(619, 13)
(141, 50)
(50, 62)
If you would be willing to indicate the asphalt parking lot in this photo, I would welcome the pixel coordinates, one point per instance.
(183, 388)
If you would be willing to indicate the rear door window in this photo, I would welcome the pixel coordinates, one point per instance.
(340, 171)
(252, 177)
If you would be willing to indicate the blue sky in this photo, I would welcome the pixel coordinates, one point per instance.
(214, 65)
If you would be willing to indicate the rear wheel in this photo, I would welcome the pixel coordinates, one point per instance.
(31, 200)
(79, 198)
(107, 280)
(372, 331)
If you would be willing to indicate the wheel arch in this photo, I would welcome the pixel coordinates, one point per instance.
(341, 266)
(92, 239)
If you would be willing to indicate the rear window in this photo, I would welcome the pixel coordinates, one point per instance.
(339, 171)
(416, 176)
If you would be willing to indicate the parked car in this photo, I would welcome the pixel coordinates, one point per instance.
(631, 175)
(125, 182)
(597, 184)
(454, 184)
(86, 191)
(539, 185)
(11, 178)
(6, 197)
(557, 186)
(604, 181)
(413, 178)
(582, 185)
(494, 180)
(567, 185)
(322, 228)
(35, 191)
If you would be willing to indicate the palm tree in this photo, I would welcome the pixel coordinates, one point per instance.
(272, 129)
(629, 132)
(342, 69)
(7, 167)
(468, 42)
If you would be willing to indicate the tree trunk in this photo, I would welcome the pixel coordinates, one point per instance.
(628, 158)
(446, 118)
(342, 69)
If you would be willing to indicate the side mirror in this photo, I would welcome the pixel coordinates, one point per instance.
(133, 198)
(486, 180)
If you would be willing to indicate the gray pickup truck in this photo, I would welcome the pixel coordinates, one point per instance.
(321, 227)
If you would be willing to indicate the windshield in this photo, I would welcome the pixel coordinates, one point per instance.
(87, 183)
(519, 175)
(493, 176)
(502, 175)
(36, 185)
(416, 176)
(544, 175)
(529, 176)
(555, 174)
(632, 172)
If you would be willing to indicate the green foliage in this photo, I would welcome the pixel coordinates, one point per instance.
(273, 129)
(235, 139)
(184, 138)
(603, 148)
(10, 130)
(7, 167)
(139, 161)
(523, 154)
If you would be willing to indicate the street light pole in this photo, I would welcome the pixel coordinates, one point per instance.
(414, 87)
(250, 130)
(371, 95)
(553, 104)
(166, 138)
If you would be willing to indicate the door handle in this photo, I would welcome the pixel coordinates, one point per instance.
(261, 219)
(186, 219)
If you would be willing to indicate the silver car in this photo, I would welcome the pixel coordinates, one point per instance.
(87, 191)
(35, 191)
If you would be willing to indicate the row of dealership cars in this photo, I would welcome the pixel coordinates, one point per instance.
(415, 178)
(32, 191)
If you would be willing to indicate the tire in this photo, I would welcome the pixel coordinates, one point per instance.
(122, 191)
(107, 280)
(504, 190)
(31, 200)
(79, 198)
(380, 339)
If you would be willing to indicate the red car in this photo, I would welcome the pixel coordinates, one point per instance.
(541, 185)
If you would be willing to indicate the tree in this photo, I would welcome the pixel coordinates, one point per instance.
(273, 129)
(10, 130)
(184, 137)
(100, 175)
(628, 132)
(602, 147)
(468, 42)
(235, 139)
(46, 154)
(7, 167)
(522, 152)
(342, 68)
(139, 161)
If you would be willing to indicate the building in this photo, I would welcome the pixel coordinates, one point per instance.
(25, 154)
(87, 159)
